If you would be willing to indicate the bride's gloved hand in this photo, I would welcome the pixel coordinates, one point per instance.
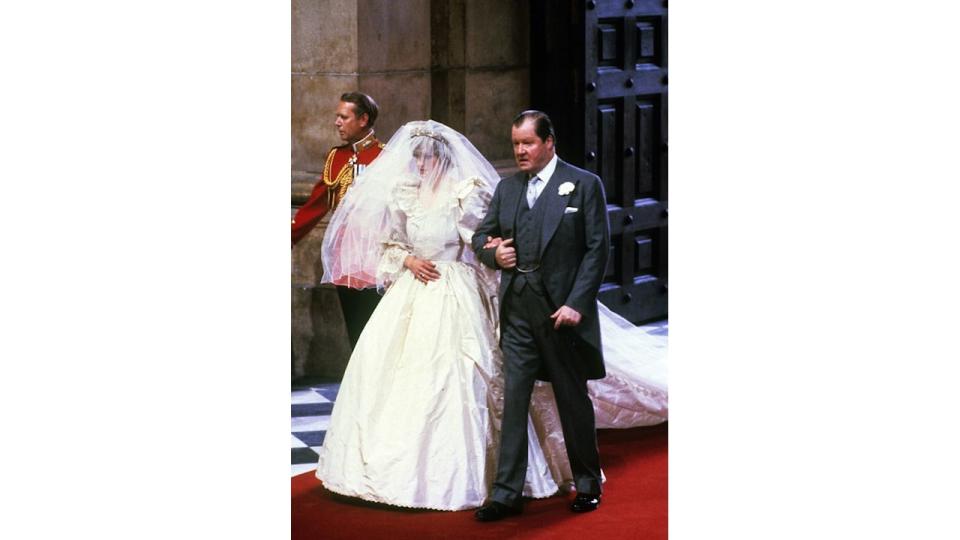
(423, 270)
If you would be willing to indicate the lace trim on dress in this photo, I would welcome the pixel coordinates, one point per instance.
(396, 247)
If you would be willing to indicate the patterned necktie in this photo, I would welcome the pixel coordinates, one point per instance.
(532, 186)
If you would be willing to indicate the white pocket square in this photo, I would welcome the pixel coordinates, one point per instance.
(570, 210)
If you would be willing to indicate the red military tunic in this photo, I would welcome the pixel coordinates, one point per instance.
(343, 163)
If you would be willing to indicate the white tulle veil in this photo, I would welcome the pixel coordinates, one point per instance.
(425, 153)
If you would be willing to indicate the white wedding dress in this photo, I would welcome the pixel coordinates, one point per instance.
(417, 419)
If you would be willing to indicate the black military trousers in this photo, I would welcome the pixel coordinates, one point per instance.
(531, 345)
(357, 306)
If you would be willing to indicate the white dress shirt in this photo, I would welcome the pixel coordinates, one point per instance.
(539, 180)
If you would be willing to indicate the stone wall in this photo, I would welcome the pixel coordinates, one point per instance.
(480, 69)
(460, 62)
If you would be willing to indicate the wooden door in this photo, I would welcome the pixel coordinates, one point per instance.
(599, 69)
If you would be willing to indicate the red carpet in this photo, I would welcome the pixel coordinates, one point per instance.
(634, 504)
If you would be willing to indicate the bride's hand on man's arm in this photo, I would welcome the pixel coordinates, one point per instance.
(423, 270)
(492, 242)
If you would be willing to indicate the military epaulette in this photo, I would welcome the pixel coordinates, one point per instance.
(364, 144)
(328, 166)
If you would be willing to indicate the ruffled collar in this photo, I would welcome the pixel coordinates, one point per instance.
(408, 200)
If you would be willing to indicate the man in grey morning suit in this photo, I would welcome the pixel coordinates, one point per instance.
(549, 226)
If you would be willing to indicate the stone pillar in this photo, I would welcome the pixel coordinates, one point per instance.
(394, 60)
(379, 47)
(324, 60)
(480, 62)
(448, 63)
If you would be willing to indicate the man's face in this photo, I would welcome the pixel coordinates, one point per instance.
(350, 128)
(531, 153)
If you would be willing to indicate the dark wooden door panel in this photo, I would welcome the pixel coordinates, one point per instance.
(610, 165)
(599, 69)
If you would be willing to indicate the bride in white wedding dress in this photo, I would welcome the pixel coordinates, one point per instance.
(417, 419)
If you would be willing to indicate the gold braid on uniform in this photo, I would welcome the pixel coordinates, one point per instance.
(344, 178)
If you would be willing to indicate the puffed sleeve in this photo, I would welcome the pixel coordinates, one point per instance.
(473, 198)
(396, 245)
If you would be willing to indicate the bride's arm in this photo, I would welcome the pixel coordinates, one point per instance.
(396, 245)
(474, 199)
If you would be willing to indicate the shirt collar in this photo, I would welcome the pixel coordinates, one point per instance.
(363, 143)
(547, 171)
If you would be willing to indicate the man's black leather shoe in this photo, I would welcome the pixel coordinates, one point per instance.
(585, 503)
(495, 511)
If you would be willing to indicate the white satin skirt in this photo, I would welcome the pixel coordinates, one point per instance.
(417, 420)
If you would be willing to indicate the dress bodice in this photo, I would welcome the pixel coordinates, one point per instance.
(432, 232)
(436, 227)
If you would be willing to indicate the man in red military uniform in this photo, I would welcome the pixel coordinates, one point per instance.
(356, 115)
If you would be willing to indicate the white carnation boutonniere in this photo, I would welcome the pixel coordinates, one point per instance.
(566, 188)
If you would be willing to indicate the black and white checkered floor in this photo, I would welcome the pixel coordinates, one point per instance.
(311, 406)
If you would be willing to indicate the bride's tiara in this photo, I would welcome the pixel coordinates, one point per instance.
(422, 132)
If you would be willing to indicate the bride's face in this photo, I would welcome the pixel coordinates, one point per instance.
(426, 160)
